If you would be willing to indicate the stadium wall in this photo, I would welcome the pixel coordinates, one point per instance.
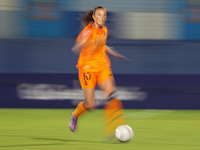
(55, 56)
(136, 91)
(41, 73)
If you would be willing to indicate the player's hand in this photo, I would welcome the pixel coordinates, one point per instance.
(122, 58)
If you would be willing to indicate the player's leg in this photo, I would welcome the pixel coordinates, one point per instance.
(82, 107)
(86, 104)
(113, 112)
(88, 87)
(113, 109)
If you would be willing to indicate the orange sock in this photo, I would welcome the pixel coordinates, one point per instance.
(113, 116)
(80, 109)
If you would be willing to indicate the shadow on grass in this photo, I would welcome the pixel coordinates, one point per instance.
(49, 139)
(65, 140)
(23, 145)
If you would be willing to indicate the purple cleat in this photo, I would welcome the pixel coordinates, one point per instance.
(72, 122)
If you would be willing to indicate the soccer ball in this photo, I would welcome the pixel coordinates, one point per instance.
(124, 133)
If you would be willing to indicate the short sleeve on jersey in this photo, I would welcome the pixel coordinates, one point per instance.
(84, 34)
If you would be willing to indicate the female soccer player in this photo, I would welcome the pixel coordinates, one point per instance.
(94, 68)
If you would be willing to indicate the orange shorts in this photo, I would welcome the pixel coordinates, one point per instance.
(89, 79)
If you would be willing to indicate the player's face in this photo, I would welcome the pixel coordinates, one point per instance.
(99, 17)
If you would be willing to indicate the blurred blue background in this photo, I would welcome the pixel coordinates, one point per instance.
(160, 37)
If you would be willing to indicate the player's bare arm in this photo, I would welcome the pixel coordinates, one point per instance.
(77, 46)
(116, 55)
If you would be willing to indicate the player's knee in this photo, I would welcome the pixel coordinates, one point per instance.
(88, 105)
(113, 95)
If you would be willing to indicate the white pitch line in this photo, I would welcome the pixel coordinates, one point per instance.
(147, 113)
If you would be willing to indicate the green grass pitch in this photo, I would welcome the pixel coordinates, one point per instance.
(47, 129)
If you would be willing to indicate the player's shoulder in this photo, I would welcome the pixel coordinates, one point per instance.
(87, 29)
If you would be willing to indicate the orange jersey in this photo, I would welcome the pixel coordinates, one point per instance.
(93, 54)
